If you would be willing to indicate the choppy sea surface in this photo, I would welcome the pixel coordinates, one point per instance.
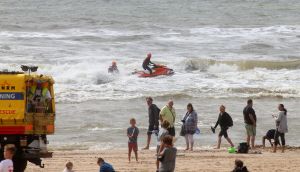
(222, 52)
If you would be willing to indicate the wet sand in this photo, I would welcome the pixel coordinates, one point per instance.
(199, 160)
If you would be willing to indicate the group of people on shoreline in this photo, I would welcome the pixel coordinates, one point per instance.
(165, 133)
(167, 118)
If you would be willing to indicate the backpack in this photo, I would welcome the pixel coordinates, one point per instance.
(243, 148)
(229, 120)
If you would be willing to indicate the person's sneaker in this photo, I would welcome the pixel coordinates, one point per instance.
(145, 148)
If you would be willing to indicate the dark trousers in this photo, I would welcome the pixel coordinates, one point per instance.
(148, 68)
(281, 135)
(171, 131)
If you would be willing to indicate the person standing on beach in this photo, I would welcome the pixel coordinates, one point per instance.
(153, 112)
(168, 113)
(104, 166)
(250, 123)
(167, 157)
(132, 134)
(190, 121)
(161, 134)
(225, 121)
(281, 127)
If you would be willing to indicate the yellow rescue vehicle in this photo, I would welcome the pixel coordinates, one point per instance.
(27, 115)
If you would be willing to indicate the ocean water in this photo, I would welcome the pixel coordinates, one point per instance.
(222, 52)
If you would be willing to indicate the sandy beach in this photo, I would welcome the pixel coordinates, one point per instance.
(200, 160)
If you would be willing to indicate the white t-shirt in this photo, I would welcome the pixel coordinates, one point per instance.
(161, 134)
(67, 170)
(6, 166)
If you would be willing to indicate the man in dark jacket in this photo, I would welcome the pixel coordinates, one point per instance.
(225, 121)
(147, 62)
(153, 112)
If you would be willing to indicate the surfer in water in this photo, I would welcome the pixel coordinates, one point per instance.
(113, 68)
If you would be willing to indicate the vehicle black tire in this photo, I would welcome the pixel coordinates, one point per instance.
(20, 165)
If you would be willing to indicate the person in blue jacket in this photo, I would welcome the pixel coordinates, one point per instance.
(104, 166)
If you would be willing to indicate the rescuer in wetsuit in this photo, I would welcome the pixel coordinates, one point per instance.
(147, 62)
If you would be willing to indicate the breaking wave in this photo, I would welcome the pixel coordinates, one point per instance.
(204, 64)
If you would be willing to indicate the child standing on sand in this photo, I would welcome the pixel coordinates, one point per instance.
(161, 134)
(167, 157)
(132, 134)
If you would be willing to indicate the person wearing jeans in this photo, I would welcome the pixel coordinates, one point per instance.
(281, 127)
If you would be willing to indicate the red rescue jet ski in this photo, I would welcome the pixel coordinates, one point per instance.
(157, 70)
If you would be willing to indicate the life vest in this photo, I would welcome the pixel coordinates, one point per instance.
(44, 92)
(33, 89)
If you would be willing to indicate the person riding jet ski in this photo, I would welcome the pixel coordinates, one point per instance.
(113, 68)
(147, 62)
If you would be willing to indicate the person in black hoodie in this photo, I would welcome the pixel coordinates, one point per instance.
(239, 166)
(225, 121)
(153, 112)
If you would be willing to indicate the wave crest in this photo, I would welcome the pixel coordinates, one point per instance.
(205, 64)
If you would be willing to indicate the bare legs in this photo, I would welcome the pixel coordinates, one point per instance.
(130, 149)
(252, 142)
(248, 140)
(228, 140)
(219, 142)
(189, 140)
(129, 153)
(148, 142)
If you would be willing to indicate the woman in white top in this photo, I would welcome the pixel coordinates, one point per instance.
(281, 126)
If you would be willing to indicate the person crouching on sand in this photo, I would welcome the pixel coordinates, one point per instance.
(270, 135)
(225, 121)
(104, 166)
(69, 167)
(167, 157)
(132, 134)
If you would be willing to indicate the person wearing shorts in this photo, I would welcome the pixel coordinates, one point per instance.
(223, 121)
(132, 134)
(250, 123)
(153, 112)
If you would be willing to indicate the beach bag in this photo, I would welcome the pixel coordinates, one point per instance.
(182, 131)
(243, 148)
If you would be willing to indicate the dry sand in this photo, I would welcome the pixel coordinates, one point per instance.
(199, 160)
